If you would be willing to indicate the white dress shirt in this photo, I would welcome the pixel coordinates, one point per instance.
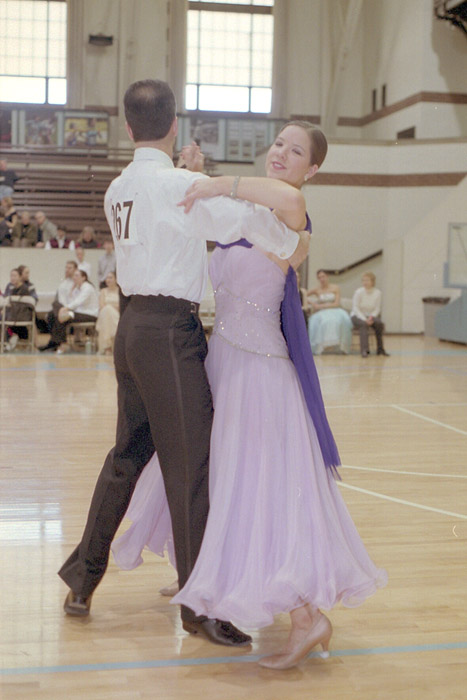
(64, 290)
(84, 300)
(366, 303)
(160, 249)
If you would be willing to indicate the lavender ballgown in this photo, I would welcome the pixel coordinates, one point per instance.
(278, 534)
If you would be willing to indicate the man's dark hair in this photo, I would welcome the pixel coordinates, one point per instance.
(149, 109)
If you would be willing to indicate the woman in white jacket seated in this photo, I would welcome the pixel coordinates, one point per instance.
(82, 306)
(366, 310)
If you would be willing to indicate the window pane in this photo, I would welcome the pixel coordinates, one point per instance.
(56, 68)
(192, 73)
(57, 11)
(17, 89)
(57, 91)
(39, 9)
(230, 49)
(25, 10)
(261, 99)
(191, 97)
(9, 66)
(33, 44)
(268, 3)
(231, 2)
(222, 98)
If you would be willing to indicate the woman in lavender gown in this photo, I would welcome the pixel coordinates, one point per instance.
(279, 537)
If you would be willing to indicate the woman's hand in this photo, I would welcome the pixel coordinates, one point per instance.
(202, 188)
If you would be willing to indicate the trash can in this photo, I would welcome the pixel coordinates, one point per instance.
(430, 306)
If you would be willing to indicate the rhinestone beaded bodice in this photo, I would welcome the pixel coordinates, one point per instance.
(248, 289)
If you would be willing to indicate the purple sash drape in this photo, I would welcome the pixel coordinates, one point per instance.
(298, 344)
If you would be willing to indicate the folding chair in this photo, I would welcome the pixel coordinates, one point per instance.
(15, 308)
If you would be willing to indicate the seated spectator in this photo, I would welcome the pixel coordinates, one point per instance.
(19, 307)
(24, 274)
(82, 306)
(60, 240)
(365, 314)
(82, 263)
(24, 232)
(109, 313)
(87, 239)
(45, 229)
(329, 325)
(106, 263)
(5, 233)
(7, 180)
(65, 287)
(62, 297)
(11, 215)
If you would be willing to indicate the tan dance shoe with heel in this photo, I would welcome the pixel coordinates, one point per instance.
(320, 633)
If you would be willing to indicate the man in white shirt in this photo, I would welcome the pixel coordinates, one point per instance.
(82, 263)
(164, 400)
(62, 298)
(106, 263)
(66, 285)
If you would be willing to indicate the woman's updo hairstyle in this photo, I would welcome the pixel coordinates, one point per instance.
(318, 143)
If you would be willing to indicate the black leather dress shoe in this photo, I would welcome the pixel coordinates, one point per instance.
(77, 605)
(218, 632)
(50, 346)
(383, 352)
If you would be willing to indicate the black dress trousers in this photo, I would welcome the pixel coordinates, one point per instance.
(164, 405)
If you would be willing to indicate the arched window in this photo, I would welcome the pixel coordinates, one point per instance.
(229, 55)
(33, 51)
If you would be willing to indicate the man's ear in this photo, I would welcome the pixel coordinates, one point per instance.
(174, 128)
(129, 131)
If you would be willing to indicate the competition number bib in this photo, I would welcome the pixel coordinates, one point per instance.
(123, 223)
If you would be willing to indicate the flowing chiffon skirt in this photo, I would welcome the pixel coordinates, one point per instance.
(279, 534)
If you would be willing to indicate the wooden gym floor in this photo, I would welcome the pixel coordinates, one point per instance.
(401, 425)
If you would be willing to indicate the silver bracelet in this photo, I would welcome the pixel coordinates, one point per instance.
(233, 191)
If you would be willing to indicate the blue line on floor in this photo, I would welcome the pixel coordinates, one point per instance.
(167, 663)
